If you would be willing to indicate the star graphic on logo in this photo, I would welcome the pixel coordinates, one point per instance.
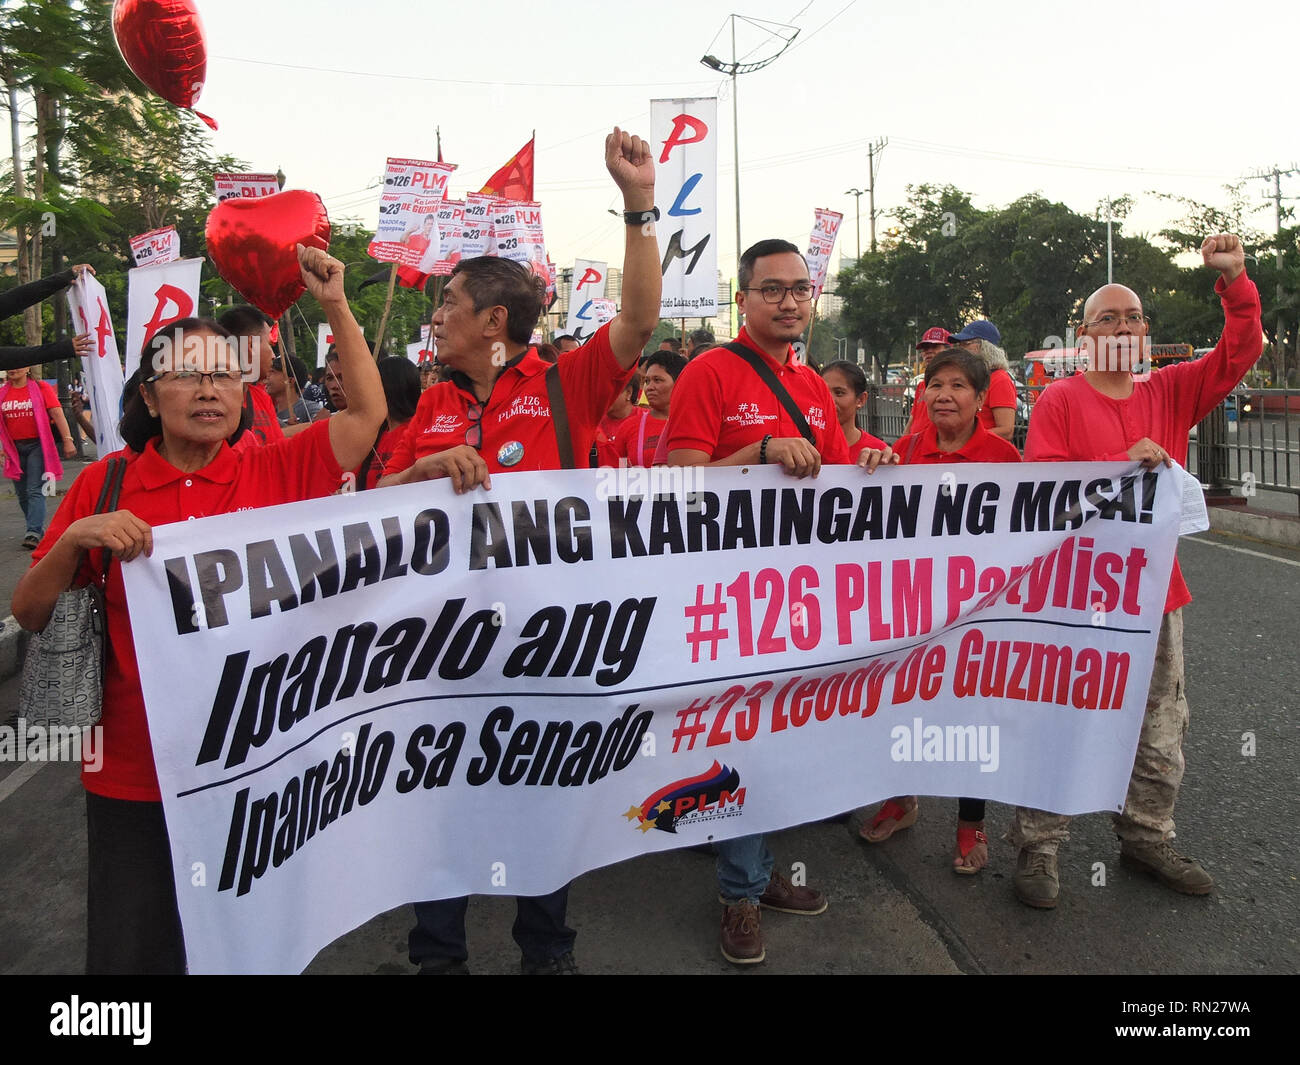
(633, 812)
(646, 826)
(664, 806)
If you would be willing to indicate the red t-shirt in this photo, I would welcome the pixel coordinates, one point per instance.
(266, 419)
(17, 408)
(923, 448)
(302, 467)
(516, 418)
(383, 455)
(920, 412)
(608, 436)
(865, 441)
(720, 405)
(1002, 393)
(1073, 422)
(637, 444)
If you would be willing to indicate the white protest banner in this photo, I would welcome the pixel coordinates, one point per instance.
(412, 694)
(324, 338)
(156, 246)
(588, 284)
(247, 186)
(451, 227)
(517, 234)
(477, 234)
(156, 296)
(684, 136)
(820, 245)
(408, 210)
(102, 371)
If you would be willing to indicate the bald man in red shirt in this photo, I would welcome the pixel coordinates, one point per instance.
(1105, 415)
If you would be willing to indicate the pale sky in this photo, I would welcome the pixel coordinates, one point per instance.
(999, 98)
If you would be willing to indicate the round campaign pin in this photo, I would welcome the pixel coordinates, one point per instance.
(511, 453)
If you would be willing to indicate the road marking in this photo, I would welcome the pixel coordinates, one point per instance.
(18, 778)
(1242, 551)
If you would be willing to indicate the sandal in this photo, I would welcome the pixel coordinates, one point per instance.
(968, 838)
(890, 811)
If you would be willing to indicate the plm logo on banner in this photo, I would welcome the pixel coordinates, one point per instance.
(713, 794)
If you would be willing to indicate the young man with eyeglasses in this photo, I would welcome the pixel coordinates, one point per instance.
(494, 416)
(1105, 414)
(723, 414)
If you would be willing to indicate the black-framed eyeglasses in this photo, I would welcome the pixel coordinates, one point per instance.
(474, 430)
(219, 378)
(1112, 321)
(771, 292)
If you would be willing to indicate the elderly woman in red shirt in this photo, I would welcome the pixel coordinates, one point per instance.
(956, 385)
(179, 465)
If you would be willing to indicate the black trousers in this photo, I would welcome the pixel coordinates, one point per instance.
(132, 922)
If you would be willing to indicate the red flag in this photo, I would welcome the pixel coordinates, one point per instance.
(410, 277)
(514, 181)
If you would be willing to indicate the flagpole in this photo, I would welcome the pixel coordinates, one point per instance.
(811, 322)
(388, 306)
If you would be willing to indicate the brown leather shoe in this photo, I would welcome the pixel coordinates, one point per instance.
(783, 896)
(742, 940)
(1167, 866)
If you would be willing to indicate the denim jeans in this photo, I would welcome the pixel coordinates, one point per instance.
(539, 929)
(28, 487)
(744, 868)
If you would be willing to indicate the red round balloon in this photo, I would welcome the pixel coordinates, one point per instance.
(253, 244)
(162, 42)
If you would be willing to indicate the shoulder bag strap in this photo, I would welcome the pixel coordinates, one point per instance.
(559, 417)
(779, 390)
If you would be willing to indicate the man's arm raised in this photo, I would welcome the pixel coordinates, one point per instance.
(631, 164)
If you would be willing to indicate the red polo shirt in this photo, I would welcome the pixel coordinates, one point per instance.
(923, 448)
(518, 412)
(301, 467)
(865, 441)
(1073, 422)
(720, 405)
(611, 429)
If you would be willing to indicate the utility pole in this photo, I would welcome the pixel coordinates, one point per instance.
(1110, 247)
(857, 196)
(1277, 174)
(873, 164)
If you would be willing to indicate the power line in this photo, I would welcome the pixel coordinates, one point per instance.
(460, 81)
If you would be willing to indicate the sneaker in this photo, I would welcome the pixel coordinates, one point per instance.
(742, 940)
(1037, 882)
(783, 896)
(32, 541)
(564, 965)
(1167, 866)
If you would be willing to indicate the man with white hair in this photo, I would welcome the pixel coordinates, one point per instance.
(1106, 415)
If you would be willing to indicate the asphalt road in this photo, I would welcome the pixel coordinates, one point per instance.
(894, 908)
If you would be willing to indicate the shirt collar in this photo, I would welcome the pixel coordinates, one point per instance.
(155, 471)
(527, 363)
(791, 358)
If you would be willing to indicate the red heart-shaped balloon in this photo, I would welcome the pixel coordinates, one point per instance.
(253, 244)
(162, 42)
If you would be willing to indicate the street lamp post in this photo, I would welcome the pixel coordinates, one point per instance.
(733, 70)
(857, 196)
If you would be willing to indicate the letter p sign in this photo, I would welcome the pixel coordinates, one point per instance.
(680, 124)
(590, 277)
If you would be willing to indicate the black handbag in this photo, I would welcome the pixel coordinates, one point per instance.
(63, 671)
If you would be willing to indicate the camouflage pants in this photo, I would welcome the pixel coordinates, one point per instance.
(1148, 815)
